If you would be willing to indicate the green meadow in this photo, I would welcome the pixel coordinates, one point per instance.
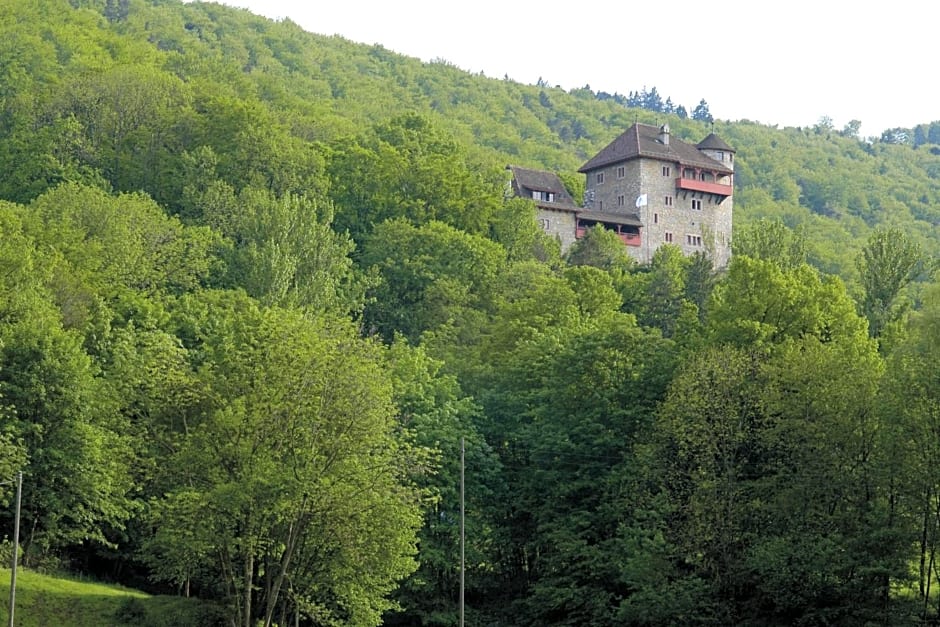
(45, 600)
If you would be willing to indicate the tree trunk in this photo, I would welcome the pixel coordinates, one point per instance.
(293, 535)
(249, 578)
(923, 550)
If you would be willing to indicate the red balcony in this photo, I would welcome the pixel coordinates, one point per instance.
(629, 239)
(694, 185)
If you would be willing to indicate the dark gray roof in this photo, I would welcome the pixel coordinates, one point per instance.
(526, 181)
(611, 218)
(642, 140)
(713, 142)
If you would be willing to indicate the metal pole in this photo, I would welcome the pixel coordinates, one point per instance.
(16, 544)
(462, 536)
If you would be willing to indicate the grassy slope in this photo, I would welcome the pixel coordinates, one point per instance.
(46, 600)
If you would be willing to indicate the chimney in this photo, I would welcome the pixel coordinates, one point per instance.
(664, 134)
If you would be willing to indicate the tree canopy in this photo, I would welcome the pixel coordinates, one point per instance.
(257, 286)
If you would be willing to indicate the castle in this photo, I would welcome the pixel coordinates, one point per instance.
(649, 188)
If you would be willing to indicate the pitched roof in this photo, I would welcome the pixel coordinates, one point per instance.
(713, 142)
(642, 140)
(611, 218)
(527, 181)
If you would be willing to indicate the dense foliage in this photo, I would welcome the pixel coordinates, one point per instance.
(257, 286)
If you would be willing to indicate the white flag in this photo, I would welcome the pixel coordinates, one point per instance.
(641, 201)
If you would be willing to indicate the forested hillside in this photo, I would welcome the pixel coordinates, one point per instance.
(257, 286)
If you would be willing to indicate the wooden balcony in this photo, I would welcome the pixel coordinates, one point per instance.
(694, 185)
(629, 239)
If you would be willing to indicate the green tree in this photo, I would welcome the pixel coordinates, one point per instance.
(431, 405)
(887, 264)
(294, 482)
(79, 486)
(759, 304)
(771, 240)
(704, 436)
(910, 412)
(127, 114)
(410, 168)
(124, 241)
(600, 248)
(575, 470)
(852, 129)
(430, 276)
(514, 227)
(657, 294)
(775, 456)
(283, 250)
(701, 112)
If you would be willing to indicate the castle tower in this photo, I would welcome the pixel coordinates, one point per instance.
(655, 189)
(720, 221)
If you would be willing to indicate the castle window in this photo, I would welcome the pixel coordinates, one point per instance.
(620, 201)
(621, 172)
(721, 155)
(693, 240)
(655, 218)
(697, 204)
(668, 201)
(600, 178)
(667, 237)
(667, 170)
(543, 196)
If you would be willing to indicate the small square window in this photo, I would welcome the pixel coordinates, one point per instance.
(621, 172)
(697, 204)
(668, 237)
(600, 178)
(667, 170)
(668, 201)
(620, 201)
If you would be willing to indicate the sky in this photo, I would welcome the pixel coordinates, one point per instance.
(776, 63)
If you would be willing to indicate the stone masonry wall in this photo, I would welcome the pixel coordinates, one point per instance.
(559, 224)
(669, 216)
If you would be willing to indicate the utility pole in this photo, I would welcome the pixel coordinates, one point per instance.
(16, 544)
(462, 536)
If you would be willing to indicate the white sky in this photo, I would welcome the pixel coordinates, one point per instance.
(775, 63)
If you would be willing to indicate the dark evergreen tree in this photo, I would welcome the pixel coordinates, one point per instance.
(701, 112)
(652, 100)
(933, 133)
